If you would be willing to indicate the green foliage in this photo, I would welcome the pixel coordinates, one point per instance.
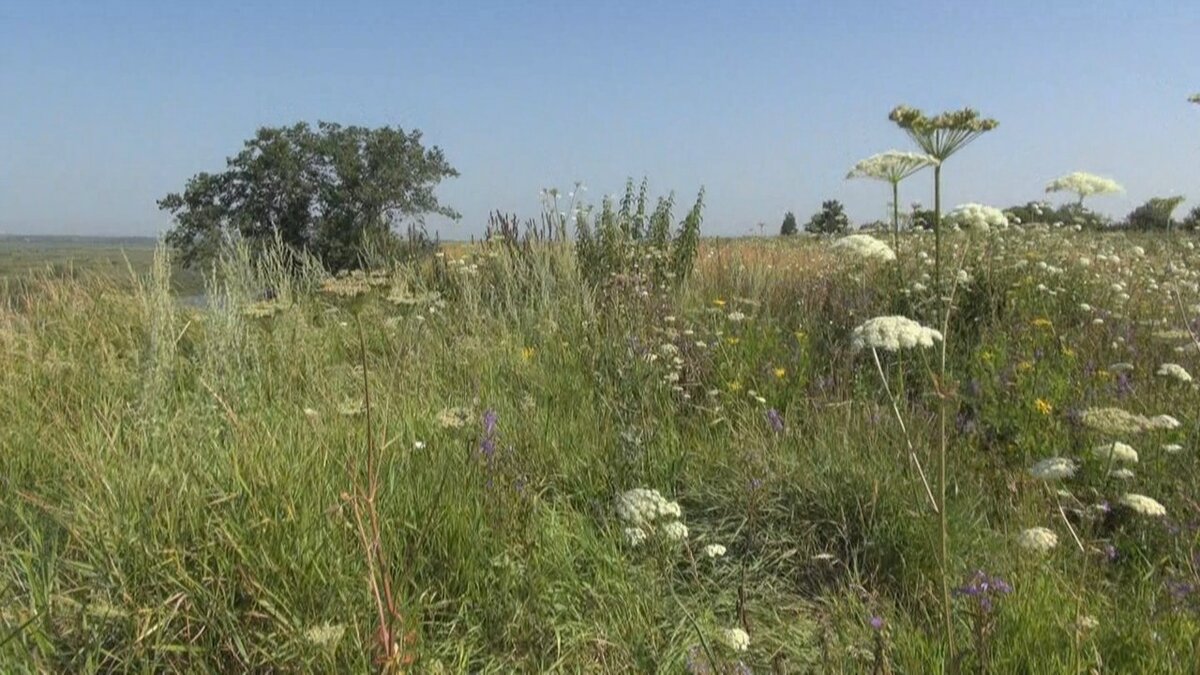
(629, 244)
(318, 191)
(831, 219)
(789, 226)
(1192, 220)
(1155, 214)
(1066, 214)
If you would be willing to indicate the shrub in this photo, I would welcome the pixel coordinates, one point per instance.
(789, 226)
(1155, 214)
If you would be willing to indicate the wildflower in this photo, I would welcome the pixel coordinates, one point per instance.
(311, 414)
(736, 317)
(1165, 422)
(983, 587)
(1114, 421)
(876, 622)
(1043, 406)
(641, 506)
(675, 531)
(1053, 468)
(1083, 184)
(527, 354)
(264, 309)
(1116, 452)
(1042, 323)
(454, 418)
(325, 635)
(780, 373)
(714, 551)
(736, 639)
(418, 445)
(719, 302)
(635, 536)
(348, 286)
(1172, 448)
(1087, 623)
(893, 333)
(1143, 505)
(976, 217)
(865, 246)
(1037, 539)
(1121, 474)
(775, 420)
(352, 408)
(1174, 371)
(892, 166)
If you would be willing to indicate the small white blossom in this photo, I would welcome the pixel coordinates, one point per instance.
(1143, 505)
(1038, 539)
(893, 333)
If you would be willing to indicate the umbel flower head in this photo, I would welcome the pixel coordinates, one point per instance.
(1053, 468)
(1116, 452)
(892, 333)
(865, 246)
(1037, 539)
(1174, 371)
(1143, 505)
(1115, 421)
(892, 166)
(1084, 184)
(977, 217)
(941, 135)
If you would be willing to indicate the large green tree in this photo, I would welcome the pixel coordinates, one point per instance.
(318, 190)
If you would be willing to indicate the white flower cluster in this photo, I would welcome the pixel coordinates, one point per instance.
(865, 246)
(736, 639)
(892, 333)
(1053, 468)
(1116, 452)
(1037, 539)
(976, 217)
(1143, 505)
(1174, 371)
(642, 508)
(892, 166)
(1083, 184)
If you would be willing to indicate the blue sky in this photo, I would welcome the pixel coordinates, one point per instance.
(109, 105)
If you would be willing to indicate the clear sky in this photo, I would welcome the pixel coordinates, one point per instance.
(108, 105)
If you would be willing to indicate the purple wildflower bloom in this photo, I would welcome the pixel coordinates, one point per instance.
(877, 622)
(776, 420)
(983, 587)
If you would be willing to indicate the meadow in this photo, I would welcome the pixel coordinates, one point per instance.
(480, 460)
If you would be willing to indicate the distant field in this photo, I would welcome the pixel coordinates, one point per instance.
(26, 258)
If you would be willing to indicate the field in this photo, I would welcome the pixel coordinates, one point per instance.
(447, 465)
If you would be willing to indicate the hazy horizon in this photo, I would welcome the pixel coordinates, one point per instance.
(765, 104)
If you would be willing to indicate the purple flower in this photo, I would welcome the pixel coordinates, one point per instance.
(877, 622)
(983, 588)
(776, 420)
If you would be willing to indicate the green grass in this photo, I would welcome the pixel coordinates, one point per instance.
(178, 482)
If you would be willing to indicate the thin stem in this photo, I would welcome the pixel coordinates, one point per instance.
(912, 453)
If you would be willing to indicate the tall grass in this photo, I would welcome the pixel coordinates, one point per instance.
(179, 482)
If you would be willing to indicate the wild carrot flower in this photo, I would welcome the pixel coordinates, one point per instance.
(866, 247)
(1053, 468)
(714, 551)
(1143, 505)
(736, 639)
(1116, 452)
(892, 333)
(1037, 539)
(1174, 371)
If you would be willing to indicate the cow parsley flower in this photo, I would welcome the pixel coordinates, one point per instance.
(635, 536)
(736, 639)
(640, 507)
(1037, 539)
(714, 551)
(1143, 505)
(892, 166)
(976, 217)
(1116, 452)
(1174, 371)
(1053, 468)
(865, 246)
(1122, 474)
(892, 333)
(675, 531)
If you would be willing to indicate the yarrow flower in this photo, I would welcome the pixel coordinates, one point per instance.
(976, 217)
(892, 333)
(865, 246)
(641, 506)
(1143, 505)
(736, 639)
(1116, 452)
(1037, 539)
(714, 551)
(675, 531)
(1053, 468)
(1174, 371)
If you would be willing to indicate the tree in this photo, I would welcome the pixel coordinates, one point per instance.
(940, 137)
(1083, 184)
(892, 166)
(789, 226)
(321, 191)
(1155, 214)
(831, 219)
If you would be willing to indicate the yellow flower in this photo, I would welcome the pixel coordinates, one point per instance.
(733, 340)
(801, 336)
(1043, 406)
(527, 354)
(987, 356)
(734, 385)
(1068, 352)
(1042, 323)
(781, 373)
(1025, 366)
(719, 302)
(1103, 374)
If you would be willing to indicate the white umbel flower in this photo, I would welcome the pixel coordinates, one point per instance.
(674, 531)
(976, 217)
(1083, 184)
(1143, 505)
(1038, 539)
(1174, 371)
(1164, 422)
(1053, 468)
(865, 246)
(714, 551)
(635, 536)
(640, 507)
(1116, 452)
(893, 333)
(736, 639)
(892, 166)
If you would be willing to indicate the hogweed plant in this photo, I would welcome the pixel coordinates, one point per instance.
(892, 166)
(1083, 184)
(939, 137)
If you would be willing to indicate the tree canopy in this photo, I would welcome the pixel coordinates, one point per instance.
(318, 190)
